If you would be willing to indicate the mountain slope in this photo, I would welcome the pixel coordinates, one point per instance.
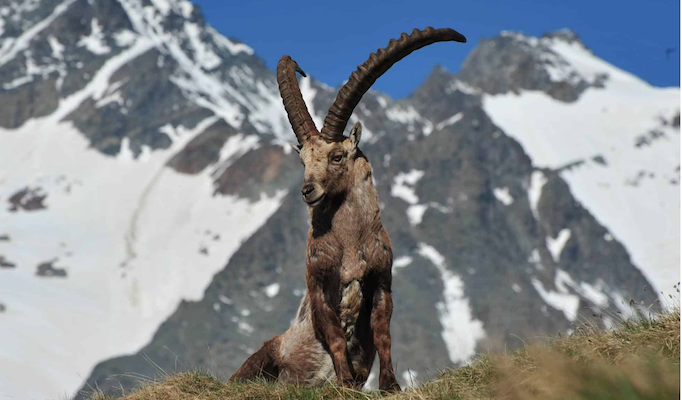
(150, 207)
(618, 152)
(92, 141)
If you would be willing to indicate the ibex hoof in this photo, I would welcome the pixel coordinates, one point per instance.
(389, 385)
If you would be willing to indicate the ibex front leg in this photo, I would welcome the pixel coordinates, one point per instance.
(328, 330)
(382, 308)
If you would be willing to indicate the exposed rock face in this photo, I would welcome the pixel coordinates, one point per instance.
(491, 247)
(5, 263)
(514, 62)
(27, 199)
(48, 270)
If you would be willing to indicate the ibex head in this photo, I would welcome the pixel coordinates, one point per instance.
(327, 155)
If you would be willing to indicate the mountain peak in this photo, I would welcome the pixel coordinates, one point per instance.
(557, 63)
(565, 34)
(180, 7)
(100, 52)
(440, 74)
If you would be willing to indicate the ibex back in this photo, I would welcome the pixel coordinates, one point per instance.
(344, 318)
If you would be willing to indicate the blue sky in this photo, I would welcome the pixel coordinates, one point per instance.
(329, 38)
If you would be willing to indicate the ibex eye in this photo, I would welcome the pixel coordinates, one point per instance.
(337, 158)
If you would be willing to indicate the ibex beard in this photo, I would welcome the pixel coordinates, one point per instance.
(343, 321)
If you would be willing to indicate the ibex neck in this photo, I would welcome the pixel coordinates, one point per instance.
(354, 213)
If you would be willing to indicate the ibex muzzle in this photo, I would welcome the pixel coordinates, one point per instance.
(343, 321)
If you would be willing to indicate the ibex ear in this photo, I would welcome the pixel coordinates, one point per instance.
(355, 134)
(296, 147)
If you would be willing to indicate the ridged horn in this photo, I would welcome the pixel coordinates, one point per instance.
(362, 79)
(298, 114)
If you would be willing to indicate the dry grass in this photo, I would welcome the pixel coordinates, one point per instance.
(640, 360)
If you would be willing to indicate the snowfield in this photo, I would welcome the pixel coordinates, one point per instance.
(461, 330)
(133, 236)
(629, 178)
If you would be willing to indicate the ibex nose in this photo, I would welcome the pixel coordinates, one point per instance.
(306, 189)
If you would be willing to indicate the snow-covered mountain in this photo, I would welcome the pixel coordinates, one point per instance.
(150, 209)
(119, 117)
(618, 149)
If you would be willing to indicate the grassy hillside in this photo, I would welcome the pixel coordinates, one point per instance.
(639, 360)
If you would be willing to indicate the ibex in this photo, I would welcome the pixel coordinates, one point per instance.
(344, 318)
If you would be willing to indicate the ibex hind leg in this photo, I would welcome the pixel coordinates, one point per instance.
(263, 364)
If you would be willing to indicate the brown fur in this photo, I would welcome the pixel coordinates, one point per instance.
(344, 319)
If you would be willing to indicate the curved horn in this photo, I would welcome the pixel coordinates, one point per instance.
(298, 114)
(362, 79)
